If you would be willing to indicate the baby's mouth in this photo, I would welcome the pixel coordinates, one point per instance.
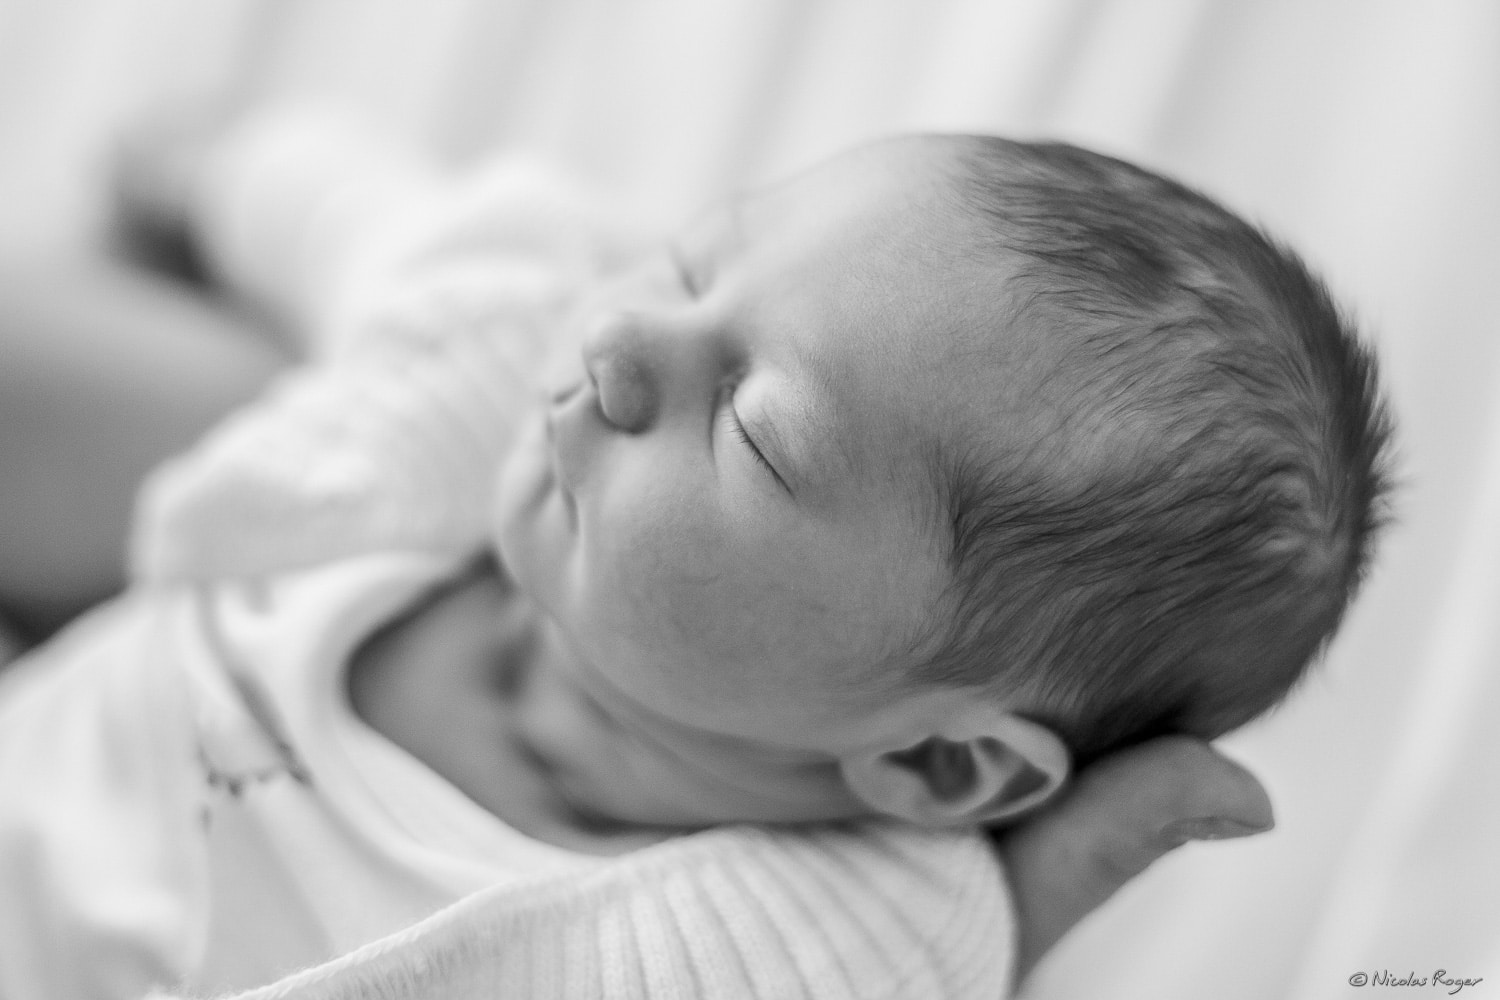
(560, 395)
(554, 462)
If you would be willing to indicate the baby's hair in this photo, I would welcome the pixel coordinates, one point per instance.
(1184, 539)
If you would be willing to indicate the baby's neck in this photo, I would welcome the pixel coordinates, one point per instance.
(475, 683)
(448, 682)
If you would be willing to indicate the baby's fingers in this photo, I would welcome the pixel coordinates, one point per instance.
(1123, 813)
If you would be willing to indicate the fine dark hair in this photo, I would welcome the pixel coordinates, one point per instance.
(1186, 537)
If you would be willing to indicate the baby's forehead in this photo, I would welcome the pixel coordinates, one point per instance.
(927, 405)
(901, 318)
(919, 179)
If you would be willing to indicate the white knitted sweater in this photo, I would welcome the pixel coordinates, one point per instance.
(863, 914)
(432, 303)
(428, 308)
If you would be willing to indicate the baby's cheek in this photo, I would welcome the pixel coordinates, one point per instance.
(669, 571)
(702, 595)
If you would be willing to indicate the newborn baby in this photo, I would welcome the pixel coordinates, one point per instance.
(882, 495)
(886, 490)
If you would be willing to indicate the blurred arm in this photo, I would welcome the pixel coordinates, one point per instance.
(103, 373)
(431, 318)
(293, 205)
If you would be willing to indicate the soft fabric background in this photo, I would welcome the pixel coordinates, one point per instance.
(1365, 131)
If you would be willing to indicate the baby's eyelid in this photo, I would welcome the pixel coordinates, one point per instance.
(749, 442)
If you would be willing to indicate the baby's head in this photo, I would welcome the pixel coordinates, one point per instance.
(893, 486)
(1206, 467)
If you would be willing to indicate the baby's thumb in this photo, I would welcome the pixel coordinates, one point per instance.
(1124, 812)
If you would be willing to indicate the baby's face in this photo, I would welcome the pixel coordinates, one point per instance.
(726, 509)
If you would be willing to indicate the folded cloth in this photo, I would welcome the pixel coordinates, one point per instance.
(429, 307)
(391, 443)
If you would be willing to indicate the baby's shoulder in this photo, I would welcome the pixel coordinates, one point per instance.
(858, 910)
(873, 857)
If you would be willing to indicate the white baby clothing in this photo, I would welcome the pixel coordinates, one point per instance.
(188, 803)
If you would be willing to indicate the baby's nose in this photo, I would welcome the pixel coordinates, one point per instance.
(616, 355)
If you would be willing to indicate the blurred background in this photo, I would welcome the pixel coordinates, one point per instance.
(1366, 132)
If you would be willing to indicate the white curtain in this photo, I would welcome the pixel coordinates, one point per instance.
(1365, 131)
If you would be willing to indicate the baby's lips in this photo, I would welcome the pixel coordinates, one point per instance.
(562, 367)
(563, 377)
(560, 392)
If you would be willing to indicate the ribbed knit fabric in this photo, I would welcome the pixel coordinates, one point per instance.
(869, 912)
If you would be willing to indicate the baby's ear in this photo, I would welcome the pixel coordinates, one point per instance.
(989, 767)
